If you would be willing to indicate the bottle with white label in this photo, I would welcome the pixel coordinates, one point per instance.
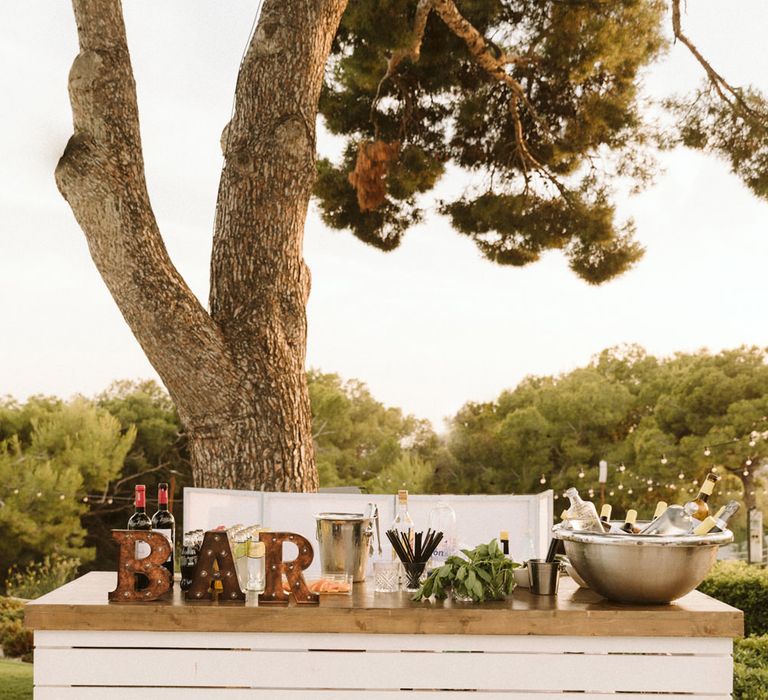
(140, 521)
(718, 522)
(442, 518)
(582, 515)
(164, 523)
(702, 507)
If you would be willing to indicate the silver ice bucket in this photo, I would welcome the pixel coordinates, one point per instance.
(651, 569)
(346, 540)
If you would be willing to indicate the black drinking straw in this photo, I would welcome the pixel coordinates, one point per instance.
(421, 551)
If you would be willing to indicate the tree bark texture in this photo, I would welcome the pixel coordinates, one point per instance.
(236, 374)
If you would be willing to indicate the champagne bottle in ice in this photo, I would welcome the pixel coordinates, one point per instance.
(718, 522)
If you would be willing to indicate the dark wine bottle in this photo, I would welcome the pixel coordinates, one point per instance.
(504, 539)
(164, 523)
(140, 521)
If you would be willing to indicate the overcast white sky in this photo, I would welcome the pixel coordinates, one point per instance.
(428, 326)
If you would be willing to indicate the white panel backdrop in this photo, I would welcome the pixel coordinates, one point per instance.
(479, 518)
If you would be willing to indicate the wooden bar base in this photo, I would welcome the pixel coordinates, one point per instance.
(384, 645)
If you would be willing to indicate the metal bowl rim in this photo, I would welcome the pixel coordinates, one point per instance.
(586, 537)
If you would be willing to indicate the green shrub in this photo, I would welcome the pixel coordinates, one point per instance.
(742, 586)
(11, 610)
(40, 578)
(16, 639)
(750, 669)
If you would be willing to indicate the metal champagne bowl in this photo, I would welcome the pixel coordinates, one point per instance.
(648, 569)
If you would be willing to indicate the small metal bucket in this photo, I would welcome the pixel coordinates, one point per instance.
(543, 576)
(346, 540)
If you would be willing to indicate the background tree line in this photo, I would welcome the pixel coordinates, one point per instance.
(67, 468)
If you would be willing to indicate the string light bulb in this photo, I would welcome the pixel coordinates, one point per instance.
(707, 451)
(748, 462)
(664, 459)
(622, 467)
(543, 479)
(629, 491)
(681, 476)
(620, 487)
(581, 474)
(745, 472)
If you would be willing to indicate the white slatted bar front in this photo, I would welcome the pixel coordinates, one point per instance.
(234, 666)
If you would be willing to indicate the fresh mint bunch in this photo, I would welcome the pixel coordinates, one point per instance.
(483, 573)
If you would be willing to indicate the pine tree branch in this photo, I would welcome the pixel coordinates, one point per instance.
(494, 63)
(729, 94)
(412, 52)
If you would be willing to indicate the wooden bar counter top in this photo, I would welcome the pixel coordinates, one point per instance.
(83, 605)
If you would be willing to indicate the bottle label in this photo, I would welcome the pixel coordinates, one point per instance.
(707, 488)
(168, 536)
(142, 550)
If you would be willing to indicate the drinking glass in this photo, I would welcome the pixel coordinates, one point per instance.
(386, 576)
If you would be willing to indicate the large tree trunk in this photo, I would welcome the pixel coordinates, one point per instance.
(237, 374)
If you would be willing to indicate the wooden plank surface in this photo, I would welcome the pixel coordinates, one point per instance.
(83, 605)
(97, 693)
(383, 670)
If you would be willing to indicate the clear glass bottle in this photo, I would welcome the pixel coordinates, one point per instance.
(442, 518)
(241, 543)
(255, 562)
(675, 520)
(403, 522)
(582, 515)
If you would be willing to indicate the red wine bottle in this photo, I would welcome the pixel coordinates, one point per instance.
(140, 521)
(164, 523)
